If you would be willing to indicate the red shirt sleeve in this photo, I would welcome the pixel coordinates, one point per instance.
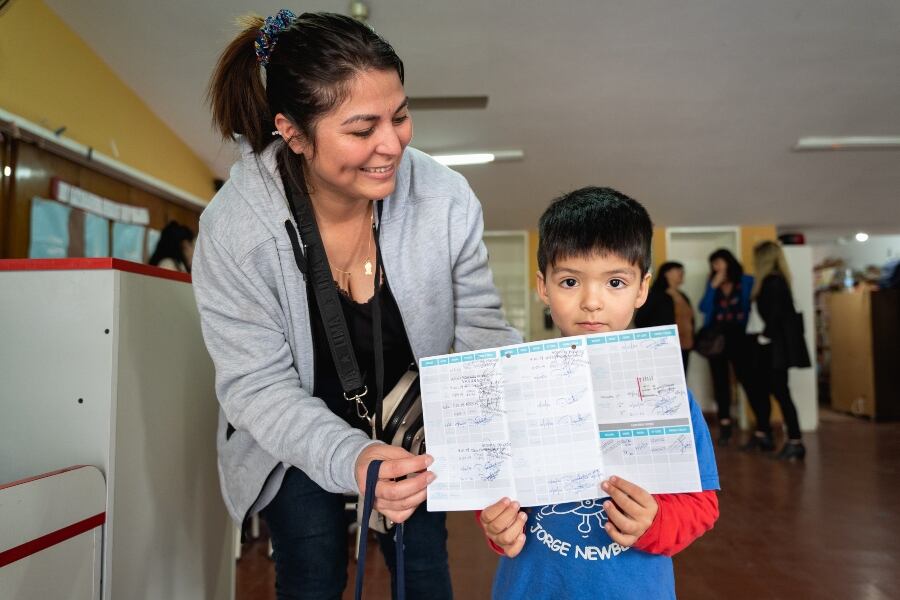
(490, 542)
(681, 519)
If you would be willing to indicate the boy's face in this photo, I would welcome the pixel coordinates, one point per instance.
(593, 293)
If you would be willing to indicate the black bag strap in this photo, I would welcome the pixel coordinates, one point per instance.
(368, 502)
(315, 265)
(376, 331)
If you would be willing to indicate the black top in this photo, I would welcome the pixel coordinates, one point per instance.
(784, 325)
(659, 309)
(398, 355)
(775, 304)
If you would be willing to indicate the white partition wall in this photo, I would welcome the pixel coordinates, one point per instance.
(803, 381)
(102, 363)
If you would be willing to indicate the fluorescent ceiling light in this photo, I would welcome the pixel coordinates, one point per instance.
(478, 158)
(453, 160)
(853, 142)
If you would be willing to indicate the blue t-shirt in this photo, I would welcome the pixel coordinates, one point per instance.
(568, 554)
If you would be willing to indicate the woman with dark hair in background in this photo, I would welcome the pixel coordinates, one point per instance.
(175, 248)
(323, 144)
(667, 304)
(726, 308)
(780, 345)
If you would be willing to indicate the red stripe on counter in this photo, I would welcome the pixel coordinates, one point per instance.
(51, 539)
(81, 264)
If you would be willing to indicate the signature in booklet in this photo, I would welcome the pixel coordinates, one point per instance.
(566, 400)
(683, 444)
(485, 461)
(574, 482)
(566, 362)
(576, 419)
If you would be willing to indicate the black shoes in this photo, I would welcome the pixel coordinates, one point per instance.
(763, 443)
(795, 451)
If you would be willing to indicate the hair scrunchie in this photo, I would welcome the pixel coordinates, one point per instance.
(268, 34)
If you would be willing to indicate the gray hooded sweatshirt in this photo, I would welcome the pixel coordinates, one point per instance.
(255, 316)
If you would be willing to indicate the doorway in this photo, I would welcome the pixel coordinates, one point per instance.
(691, 246)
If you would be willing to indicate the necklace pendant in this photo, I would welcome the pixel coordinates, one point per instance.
(367, 266)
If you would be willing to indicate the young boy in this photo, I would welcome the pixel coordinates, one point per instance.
(594, 258)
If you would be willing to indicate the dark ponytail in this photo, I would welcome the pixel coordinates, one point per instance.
(236, 92)
(307, 73)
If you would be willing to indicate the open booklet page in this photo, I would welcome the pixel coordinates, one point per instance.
(545, 423)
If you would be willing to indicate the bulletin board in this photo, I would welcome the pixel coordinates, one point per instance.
(100, 202)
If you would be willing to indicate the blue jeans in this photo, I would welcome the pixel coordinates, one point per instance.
(308, 527)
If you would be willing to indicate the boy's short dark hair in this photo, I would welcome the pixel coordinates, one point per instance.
(595, 219)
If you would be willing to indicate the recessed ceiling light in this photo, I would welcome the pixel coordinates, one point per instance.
(851, 142)
(862, 236)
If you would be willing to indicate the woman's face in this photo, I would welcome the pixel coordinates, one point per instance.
(719, 265)
(675, 277)
(359, 144)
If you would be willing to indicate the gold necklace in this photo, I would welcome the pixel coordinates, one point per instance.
(367, 263)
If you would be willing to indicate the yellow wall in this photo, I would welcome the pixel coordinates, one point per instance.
(750, 236)
(49, 76)
(658, 249)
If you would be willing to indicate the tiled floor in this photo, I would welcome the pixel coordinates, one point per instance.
(828, 528)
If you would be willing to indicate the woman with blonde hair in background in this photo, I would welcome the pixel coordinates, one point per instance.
(780, 345)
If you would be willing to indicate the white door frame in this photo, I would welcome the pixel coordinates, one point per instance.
(735, 229)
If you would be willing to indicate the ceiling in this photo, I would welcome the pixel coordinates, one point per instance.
(691, 107)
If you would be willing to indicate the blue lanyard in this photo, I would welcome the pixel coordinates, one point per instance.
(371, 482)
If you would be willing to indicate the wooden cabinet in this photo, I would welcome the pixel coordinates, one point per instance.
(865, 353)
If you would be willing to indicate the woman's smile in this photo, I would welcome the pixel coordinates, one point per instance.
(380, 173)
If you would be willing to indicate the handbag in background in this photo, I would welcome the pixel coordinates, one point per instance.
(796, 352)
(709, 341)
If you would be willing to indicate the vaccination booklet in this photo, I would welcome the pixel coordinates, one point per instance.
(546, 422)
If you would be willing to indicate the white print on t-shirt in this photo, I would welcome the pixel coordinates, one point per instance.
(588, 510)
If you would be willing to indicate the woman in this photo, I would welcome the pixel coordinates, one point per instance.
(726, 307)
(780, 345)
(667, 304)
(331, 119)
(175, 248)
